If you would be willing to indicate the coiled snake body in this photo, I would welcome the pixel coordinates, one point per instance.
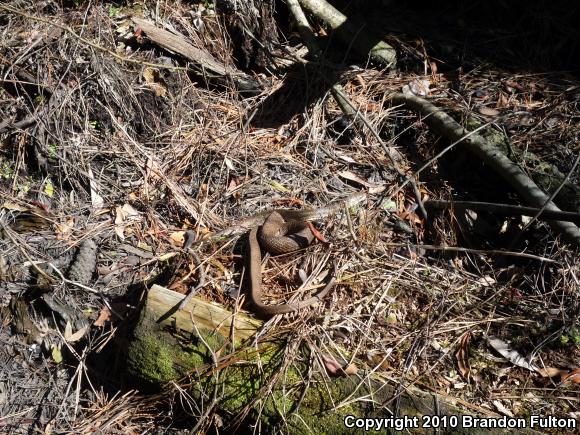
(278, 236)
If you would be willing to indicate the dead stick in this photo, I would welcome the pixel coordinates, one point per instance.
(505, 209)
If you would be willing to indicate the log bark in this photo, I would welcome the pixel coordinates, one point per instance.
(361, 39)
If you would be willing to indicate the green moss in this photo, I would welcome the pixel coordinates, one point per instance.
(156, 357)
(244, 380)
(151, 362)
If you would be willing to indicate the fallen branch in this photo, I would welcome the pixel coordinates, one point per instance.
(446, 126)
(178, 44)
(472, 251)
(341, 98)
(361, 40)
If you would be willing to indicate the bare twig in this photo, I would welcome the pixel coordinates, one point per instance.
(507, 209)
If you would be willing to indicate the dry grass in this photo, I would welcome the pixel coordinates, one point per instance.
(107, 133)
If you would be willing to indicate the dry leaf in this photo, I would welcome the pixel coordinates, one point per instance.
(96, 200)
(572, 376)
(70, 337)
(351, 369)
(502, 101)
(78, 335)
(123, 215)
(9, 205)
(177, 238)
(550, 372)
(419, 87)
(229, 164)
(118, 309)
(348, 175)
(488, 111)
(410, 217)
(511, 355)
(433, 66)
(344, 157)
(486, 281)
(104, 316)
(64, 230)
(130, 213)
(333, 368)
(501, 408)
(317, 234)
(511, 86)
(153, 81)
(119, 228)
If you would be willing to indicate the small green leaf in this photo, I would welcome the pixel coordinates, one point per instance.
(279, 187)
(52, 150)
(49, 188)
(56, 354)
(144, 246)
(113, 11)
(389, 205)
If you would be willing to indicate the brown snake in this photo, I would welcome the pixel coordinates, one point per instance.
(282, 231)
(278, 236)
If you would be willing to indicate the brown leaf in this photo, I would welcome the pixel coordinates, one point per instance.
(72, 338)
(502, 101)
(118, 310)
(572, 376)
(550, 372)
(511, 86)
(434, 68)
(351, 369)
(488, 111)
(104, 316)
(410, 217)
(153, 80)
(316, 233)
(177, 238)
(348, 175)
(63, 231)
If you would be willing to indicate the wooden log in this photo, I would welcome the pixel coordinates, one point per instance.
(199, 313)
(255, 382)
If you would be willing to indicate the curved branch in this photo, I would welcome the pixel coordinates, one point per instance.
(446, 126)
